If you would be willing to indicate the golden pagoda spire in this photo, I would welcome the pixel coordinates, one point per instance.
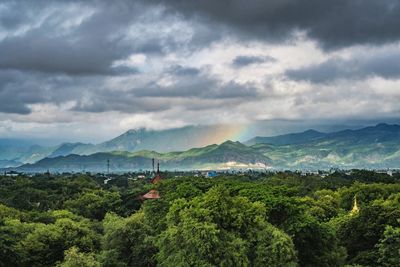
(355, 208)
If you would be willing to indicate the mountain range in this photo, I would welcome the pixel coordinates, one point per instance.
(226, 155)
(17, 152)
(370, 147)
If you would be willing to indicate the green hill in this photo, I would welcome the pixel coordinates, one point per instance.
(226, 155)
(370, 147)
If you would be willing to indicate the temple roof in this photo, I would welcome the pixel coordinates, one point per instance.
(156, 179)
(152, 194)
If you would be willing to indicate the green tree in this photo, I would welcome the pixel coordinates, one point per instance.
(316, 243)
(216, 229)
(94, 204)
(127, 241)
(361, 233)
(45, 245)
(12, 232)
(389, 247)
(74, 258)
(325, 205)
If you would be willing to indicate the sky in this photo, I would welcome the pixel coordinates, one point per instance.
(89, 70)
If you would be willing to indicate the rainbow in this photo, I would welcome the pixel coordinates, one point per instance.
(222, 133)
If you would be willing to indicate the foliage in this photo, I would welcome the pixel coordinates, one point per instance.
(245, 219)
(217, 229)
(361, 233)
(74, 258)
(389, 247)
(46, 243)
(127, 241)
(94, 204)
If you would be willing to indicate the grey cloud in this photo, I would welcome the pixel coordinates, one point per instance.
(44, 59)
(87, 48)
(179, 70)
(10, 20)
(189, 91)
(6, 106)
(200, 86)
(334, 24)
(236, 90)
(16, 93)
(102, 37)
(14, 14)
(104, 101)
(35, 53)
(382, 64)
(18, 90)
(327, 71)
(242, 61)
(79, 52)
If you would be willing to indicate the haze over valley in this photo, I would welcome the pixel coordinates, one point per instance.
(370, 147)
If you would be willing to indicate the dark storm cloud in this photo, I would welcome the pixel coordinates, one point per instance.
(384, 64)
(105, 100)
(334, 24)
(16, 93)
(190, 86)
(19, 90)
(92, 94)
(179, 70)
(7, 106)
(15, 14)
(242, 61)
(100, 39)
(327, 71)
(87, 48)
(197, 86)
(64, 52)
(33, 52)
(200, 88)
(10, 20)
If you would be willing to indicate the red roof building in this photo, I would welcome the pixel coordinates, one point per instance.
(152, 194)
(156, 179)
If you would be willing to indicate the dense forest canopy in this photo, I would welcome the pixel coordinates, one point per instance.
(251, 219)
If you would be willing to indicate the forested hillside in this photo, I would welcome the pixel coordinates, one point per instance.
(227, 154)
(253, 219)
(375, 147)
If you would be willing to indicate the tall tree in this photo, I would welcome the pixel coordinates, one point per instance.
(219, 230)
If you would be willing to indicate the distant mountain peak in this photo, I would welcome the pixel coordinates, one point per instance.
(135, 131)
(383, 124)
(387, 126)
(312, 131)
(131, 131)
(231, 143)
(288, 139)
